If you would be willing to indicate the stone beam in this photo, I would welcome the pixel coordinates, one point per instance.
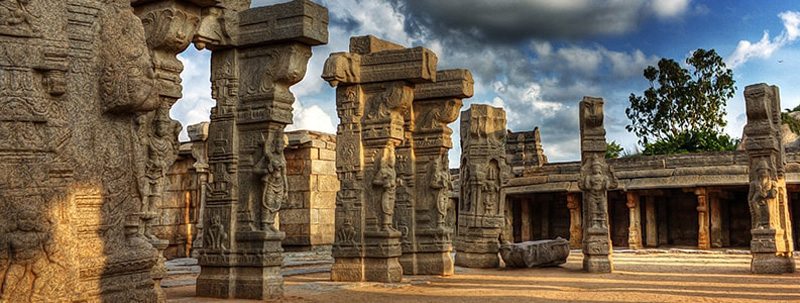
(771, 243)
(596, 179)
(374, 162)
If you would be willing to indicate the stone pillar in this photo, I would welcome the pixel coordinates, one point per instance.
(771, 245)
(525, 220)
(427, 250)
(651, 225)
(596, 179)
(483, 172)
(169, 26)
(575, 222)
(635, 225)
(257, 54)
(198, 136)
(703, 238)
(374, 94)
(715, 220)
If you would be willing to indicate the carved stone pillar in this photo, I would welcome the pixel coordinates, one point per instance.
(483, 173)
(703, 239)
(257, 55)
(596, 179)
(771, 245)
(435, 106)
(635, 225)
(169, 26)
(198, 136)
(374, 93)
(651, 226)
(575, 229)
(715, 220)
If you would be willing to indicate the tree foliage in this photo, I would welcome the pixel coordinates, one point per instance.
(682, 105)
(690, 142)
(613, 150)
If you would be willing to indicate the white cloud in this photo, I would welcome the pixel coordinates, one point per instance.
(764, 48)
(311, 118)
(669, 8)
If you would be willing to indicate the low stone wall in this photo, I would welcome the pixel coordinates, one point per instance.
(308, 217)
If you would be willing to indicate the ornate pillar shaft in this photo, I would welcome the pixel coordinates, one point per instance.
(703, 232)
(771, 243)
(427, 249)
(257, 55)
(374, 93)
(596, 179)
(635, 225)
(575, 229)
(483, 173)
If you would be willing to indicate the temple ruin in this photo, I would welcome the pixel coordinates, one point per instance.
(98, 192)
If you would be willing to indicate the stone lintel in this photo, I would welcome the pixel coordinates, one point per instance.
(453, 83)
(370, 44)
(300, 20)
(200, 3)
(415, 65)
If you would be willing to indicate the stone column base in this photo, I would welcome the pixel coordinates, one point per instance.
(771, 263)
(215, 282)
(428, 263)
(597, 263)
(477, 260)
(259, 283)
(386, 270)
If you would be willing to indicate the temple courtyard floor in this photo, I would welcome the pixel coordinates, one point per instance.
(651, 276)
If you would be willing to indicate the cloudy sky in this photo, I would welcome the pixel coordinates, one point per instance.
(537, 58)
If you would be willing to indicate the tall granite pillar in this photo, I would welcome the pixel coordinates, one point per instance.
(374, 93)
(257, 54)
(703, 231)
(435, 106)
(483, 172)
(635, 221)
(596, 179)
(198, 136)
(575, 222)
(771, 243)
(651, 226)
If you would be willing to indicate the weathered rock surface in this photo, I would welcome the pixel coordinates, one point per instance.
(541, 253)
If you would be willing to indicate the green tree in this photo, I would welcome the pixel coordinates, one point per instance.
(683, 107)
(613, 150)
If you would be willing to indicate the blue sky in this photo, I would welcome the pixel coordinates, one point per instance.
(537, 58)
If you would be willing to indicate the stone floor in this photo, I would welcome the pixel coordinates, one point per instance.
(674, 275)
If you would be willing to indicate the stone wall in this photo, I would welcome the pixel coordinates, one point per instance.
(180, 206)
(308, 219)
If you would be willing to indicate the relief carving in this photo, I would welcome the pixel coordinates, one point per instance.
(16, 18)
(276, 189)
(386, 180)
(763, 189)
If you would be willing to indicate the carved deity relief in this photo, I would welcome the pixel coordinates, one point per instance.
(763, 189)
(275, 186)
(216, 234)
(596, 179)
(29, 258)
(17, 19)
(157, 136)
(127, 81)
(386, 181)
(490, 188)
(441, 185)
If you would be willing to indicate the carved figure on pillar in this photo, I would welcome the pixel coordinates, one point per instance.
(441, 185)
(276, 190)
(771, 245)
(386, 180)
(762, 190)
(596, 179)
